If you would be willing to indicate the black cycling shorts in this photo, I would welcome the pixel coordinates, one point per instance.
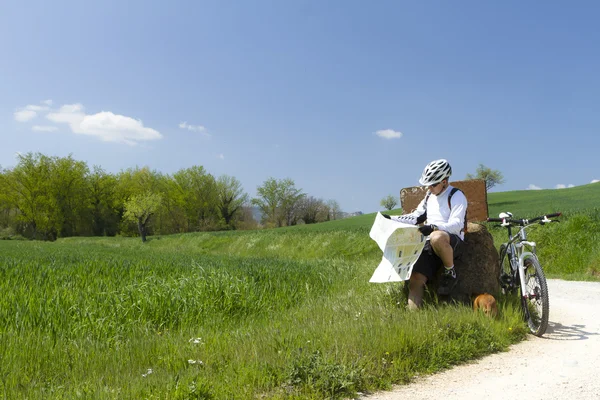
(428, 262)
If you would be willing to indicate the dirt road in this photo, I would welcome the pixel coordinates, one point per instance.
(564, 364)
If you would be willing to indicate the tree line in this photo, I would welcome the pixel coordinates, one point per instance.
(45, 197)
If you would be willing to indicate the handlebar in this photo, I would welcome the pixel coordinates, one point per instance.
(554, 215)
(525, 221)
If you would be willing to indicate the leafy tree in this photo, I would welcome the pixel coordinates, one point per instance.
(268, 200)
(389, 202)
(8, 210)
(335, 211)
(49, 194)
(103, 202)
(491, 177)
(290, 200)
(28, 188)
(197, 196)
(230, 198)
(135, 182)
(140, 208)
(69, 193)
(278, 201)
(173, 217)
(312, 210)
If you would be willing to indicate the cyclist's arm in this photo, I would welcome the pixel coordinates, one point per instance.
(411, 218)
(456, 220)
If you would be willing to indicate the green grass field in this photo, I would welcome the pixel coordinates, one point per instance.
(527, 203)
(274, 314)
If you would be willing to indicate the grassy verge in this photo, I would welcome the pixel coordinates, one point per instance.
(272, 314)
(569, 249)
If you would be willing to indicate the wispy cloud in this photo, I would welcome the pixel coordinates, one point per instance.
(105, 125)
(561, 186)
(194, 128)
(31, 111)
(25, 115)
(388, 134)
(533, 187)
(221, 156)
(595, 180)
(44, 128)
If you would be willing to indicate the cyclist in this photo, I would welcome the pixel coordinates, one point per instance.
(444, 211)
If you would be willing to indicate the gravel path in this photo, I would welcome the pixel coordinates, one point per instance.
(563, 364)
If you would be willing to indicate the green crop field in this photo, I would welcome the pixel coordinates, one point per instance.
(527, 203)
(274, 314)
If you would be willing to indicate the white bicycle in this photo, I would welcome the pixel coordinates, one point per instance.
(520, 270)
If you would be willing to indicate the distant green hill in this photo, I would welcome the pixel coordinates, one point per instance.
(528, 203)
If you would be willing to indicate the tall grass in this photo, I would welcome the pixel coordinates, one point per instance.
(270, 314)
(569, 249)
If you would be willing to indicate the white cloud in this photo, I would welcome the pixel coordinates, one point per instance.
(33, 107)
(25, 115)
(44, 128)
(561, 186)
(388, 134)
(105, 125)
(221, 156)
(194, 128)
(71, 114)
(30, 111)
(533, 187)
(110, 127)
(595, 180)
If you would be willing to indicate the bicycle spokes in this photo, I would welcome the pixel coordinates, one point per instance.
(535, 298)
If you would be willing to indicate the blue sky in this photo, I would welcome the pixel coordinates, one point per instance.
(350, 99)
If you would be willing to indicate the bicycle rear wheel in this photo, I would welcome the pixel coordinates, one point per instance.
(535, 303)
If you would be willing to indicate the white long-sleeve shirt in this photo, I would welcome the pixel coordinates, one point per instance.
(451, 220)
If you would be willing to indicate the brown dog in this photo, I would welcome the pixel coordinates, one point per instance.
(486, 303)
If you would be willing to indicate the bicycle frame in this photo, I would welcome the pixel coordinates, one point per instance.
(517, 245)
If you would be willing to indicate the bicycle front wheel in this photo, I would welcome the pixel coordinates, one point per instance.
(534, 296)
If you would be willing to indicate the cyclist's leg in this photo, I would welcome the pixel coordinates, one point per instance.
(416, 289)
(444, 244)
(447, 247)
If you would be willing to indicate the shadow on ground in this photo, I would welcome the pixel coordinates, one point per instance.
(558, 331)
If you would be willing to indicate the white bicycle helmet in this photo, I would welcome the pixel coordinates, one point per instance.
(435, 172)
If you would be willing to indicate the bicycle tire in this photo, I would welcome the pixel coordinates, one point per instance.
(535, 305)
